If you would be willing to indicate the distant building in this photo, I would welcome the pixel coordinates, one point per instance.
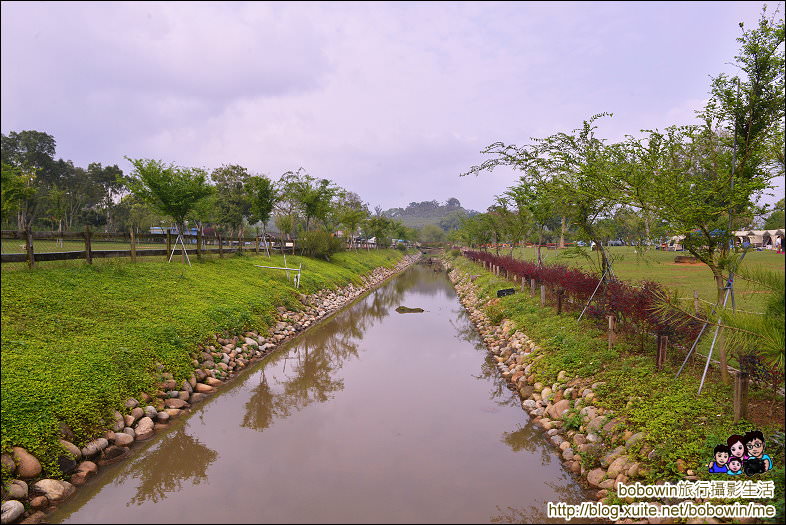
(161, 230)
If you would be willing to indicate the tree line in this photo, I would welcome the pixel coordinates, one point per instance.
(700, 181)
(43, 193)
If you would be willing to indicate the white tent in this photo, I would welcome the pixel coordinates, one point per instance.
(759, 238)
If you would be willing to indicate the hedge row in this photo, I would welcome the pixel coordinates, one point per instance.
(634, 307)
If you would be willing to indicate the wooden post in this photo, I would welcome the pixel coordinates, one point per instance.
(740, 396)
(88, 245)
(559, 301)
(29, 247)
(133, 245)
(696, 302)
(660, 358)
(168, 244)
(220, 246)
(523, 283)
(532, 287)
(543, 295)
(256, 244)
(612, 330)
(200, 240)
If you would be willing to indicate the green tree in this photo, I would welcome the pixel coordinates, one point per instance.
(14, 190)
(379, 227)
(262, 197)
(233, 198)
(314, 196)
(286, 224)
(431, 233)
(776, 218)
(351, 211)
(576, 164)
(31, 153)
(168, 189)
(452, 221)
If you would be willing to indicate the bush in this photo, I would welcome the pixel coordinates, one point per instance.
(319, 244)
(455, 253)
(401, 247)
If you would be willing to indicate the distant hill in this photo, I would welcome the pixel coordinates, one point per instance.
(418, 214)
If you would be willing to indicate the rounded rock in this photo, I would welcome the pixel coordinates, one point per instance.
(17, 489)
(123, 440)
(137, 413)
(11, 511)
(196, 397)
(8, 463)
(204, 389)
(175, 403)
(150, 411)
(54, 489)
(144, 429)
(39, 502)
(71, 448)
(113, 454)
(27, 464)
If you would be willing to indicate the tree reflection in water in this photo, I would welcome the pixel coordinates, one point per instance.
(164, 469)
(318, 357)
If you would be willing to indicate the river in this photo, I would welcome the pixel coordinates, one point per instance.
(371, 416)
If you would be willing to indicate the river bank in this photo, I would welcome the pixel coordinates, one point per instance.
(372, 416)
(30, 484)
(610, 415)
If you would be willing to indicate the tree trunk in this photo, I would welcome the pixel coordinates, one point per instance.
(540, 241)
(562, 229)
(720, 283)
(264, 239)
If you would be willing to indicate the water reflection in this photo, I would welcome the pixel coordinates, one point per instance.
(319, 355)
(165, 468)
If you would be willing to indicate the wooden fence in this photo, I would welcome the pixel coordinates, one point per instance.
(59, 246)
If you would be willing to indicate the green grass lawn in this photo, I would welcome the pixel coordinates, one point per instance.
(78, 340)
(660, 266)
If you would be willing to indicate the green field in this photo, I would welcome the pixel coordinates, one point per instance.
(78, 340)
(660, 266)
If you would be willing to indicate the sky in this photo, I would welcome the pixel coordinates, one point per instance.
(390, 100)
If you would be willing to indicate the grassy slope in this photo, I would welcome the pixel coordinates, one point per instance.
(659, 266)
(77, 341)
(680, 424)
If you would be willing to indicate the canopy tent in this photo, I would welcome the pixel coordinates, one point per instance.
(759, 238)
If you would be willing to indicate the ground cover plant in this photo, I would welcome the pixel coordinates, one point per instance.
(78, 340)
(678, 423)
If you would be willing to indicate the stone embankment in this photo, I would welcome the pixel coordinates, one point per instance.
(590, 440)
(28, 497)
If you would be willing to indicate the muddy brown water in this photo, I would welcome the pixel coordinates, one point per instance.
(372, 416)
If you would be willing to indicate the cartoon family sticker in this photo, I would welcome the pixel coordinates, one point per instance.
(741, 454)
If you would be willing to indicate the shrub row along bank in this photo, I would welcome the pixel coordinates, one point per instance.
(182, 311)
(632, 306)
(612, 416)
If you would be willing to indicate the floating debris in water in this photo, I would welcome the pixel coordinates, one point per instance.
(405, 310)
